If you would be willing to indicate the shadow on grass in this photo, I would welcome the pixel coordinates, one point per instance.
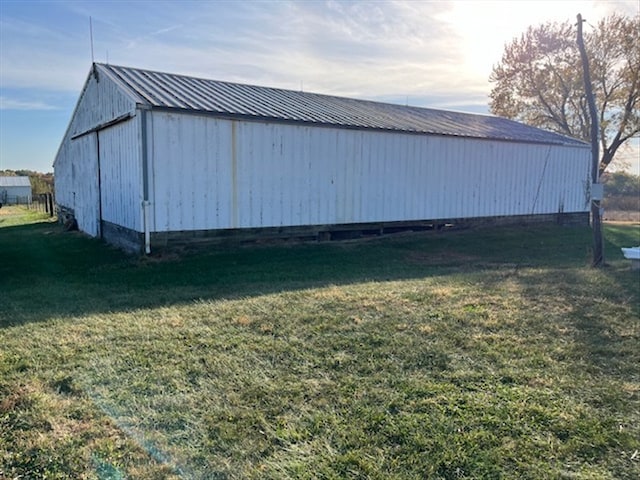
(47, 273)
(604, 335)
(604, 330)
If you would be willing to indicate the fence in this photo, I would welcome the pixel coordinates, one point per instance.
(43, 202)
(7, 199)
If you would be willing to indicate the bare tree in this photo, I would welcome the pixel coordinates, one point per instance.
(539, 81)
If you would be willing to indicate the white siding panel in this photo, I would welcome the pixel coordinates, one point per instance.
(253, 174)
(190, 188)
(121, 174)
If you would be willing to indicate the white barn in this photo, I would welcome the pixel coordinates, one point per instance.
(15, 190)
(151, 157)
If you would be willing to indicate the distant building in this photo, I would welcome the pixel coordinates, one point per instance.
(149, 158)
(15, 190)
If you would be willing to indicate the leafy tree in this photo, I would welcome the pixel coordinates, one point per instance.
(539, 81)
(622, 183)
(622, 191)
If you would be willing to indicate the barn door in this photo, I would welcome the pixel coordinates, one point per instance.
(85, 180)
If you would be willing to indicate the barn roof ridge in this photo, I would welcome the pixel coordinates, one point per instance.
(187, 93)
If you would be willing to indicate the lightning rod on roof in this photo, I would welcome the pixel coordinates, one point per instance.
(91, 38)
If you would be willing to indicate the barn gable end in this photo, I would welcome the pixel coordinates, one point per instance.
(98, 158)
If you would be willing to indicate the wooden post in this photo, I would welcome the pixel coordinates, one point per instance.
(596, 221)
(50, 201)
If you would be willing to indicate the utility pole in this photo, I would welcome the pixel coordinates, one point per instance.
(596, 189)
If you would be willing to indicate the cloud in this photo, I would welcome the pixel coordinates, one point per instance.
(13, 104)
(135, 41)
(350, 49)
(441, 52)
(344, 48)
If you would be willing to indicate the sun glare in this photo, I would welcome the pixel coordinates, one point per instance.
(485, 27)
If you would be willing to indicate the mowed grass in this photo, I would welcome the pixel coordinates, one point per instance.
(461, 355)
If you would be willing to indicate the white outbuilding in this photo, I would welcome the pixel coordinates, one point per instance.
(15, 190)
(149, 158)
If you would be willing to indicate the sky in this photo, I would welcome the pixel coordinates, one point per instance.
(430, 53)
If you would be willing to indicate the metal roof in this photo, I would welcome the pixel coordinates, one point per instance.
(15, 182)
(167, 90)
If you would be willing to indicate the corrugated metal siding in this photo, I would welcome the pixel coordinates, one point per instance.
(121, 174)
(212, 173)
(76, 163)
(158, 89)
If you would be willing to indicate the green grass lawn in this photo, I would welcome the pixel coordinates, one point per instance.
(461, 355)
